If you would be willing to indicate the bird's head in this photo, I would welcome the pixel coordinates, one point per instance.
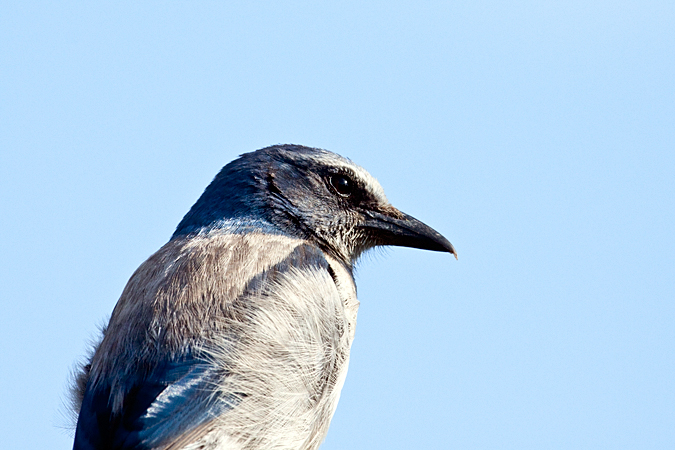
(310, 194)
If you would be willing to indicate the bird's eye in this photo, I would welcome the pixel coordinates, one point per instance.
(342, 184)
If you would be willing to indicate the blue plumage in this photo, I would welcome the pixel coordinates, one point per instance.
(158, 406)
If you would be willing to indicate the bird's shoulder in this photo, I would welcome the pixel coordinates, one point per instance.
(195, 278)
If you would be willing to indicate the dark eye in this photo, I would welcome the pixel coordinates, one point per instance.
(342, 184)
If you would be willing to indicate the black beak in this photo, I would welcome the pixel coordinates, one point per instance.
(405, 231)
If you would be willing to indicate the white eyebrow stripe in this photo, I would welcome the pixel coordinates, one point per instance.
(369, 182)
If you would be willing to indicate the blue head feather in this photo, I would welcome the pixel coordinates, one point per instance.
(238, 197)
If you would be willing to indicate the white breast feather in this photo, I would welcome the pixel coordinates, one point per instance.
(294, 357)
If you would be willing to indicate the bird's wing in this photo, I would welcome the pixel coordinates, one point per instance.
(169, 402)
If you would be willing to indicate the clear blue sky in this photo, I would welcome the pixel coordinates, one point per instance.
(539, 137)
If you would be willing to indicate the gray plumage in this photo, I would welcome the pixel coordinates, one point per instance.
(236, 333)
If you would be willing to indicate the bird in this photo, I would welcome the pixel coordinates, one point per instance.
(236, 333)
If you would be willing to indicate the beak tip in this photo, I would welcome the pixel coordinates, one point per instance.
(451, 249)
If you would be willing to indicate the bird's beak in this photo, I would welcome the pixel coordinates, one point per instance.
(397, 228)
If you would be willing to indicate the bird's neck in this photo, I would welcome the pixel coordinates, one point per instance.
(232, 225)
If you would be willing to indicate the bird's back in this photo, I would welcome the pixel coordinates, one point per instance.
(222, 340)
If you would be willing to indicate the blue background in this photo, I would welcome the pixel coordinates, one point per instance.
(539, 137)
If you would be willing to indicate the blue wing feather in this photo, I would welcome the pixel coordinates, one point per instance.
(173, 398)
